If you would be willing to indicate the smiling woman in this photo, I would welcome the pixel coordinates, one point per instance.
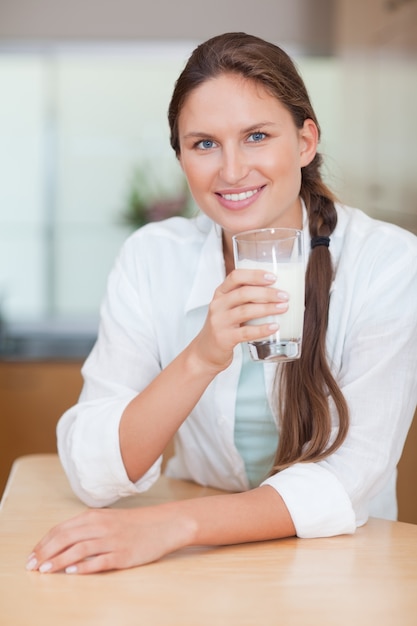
(238, 145)
(174, 326)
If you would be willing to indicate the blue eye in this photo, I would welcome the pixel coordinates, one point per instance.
(255, 137)
(205, 144)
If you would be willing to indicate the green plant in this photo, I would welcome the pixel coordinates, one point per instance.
(148, 201)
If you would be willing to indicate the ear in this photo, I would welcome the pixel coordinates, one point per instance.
(309, 138)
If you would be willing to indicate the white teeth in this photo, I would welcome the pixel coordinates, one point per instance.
(240, 196)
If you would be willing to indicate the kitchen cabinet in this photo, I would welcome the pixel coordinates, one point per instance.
(33, 395)
(407, 478)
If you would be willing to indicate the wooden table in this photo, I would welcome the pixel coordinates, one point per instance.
(366, 579)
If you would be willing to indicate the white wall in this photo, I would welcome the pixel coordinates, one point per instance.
(75, 119)
(74, 126)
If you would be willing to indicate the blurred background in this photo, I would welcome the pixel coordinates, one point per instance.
(85, 155)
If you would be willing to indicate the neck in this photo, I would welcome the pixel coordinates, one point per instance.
(228, 254)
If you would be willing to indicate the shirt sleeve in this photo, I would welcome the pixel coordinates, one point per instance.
(376, 325)
(123, 361)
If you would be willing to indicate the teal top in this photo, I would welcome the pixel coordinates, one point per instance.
(255, 434)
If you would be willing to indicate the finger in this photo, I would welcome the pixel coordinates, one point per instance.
(67, 526)
(257, 332)
(239, 277)
(94, 565)
(250, 294)
(244, 296)
(73, 557)
(63, 536)
(255, 311)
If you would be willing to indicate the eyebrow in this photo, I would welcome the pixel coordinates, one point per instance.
(245, 131)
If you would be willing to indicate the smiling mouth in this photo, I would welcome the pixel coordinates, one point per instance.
(237, 197)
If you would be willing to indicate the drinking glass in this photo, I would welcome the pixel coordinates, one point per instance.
(277, 251)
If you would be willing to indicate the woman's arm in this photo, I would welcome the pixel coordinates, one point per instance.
(117, 539)
(151, 419)
(153, 416)
(372, 345)
(100, 540)
(129, 408)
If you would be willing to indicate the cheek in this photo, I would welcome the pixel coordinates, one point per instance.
(286, 168)
(285, 171)
(192, 177)
(197, 173)
(283, 157)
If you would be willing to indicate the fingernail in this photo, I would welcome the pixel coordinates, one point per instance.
(71, 569)
(31, 563)
(271, 277)
(283, 295)
(45, 567)
(282, 306)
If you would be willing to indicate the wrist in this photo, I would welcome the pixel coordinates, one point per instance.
(183, 527)
(204, 364)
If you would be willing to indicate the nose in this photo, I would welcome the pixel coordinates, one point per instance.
(234, 165)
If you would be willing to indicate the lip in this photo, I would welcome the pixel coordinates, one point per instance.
(239, 204)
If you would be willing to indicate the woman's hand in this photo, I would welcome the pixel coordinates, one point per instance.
(244, 295)
(107, 539)
(99, 540)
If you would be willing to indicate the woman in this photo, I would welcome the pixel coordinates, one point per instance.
(308, 448)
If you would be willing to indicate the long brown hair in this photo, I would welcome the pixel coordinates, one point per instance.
(303, 386)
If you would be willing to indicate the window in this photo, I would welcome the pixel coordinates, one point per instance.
(75, 124)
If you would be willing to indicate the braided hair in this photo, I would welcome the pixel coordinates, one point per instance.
(303, 387)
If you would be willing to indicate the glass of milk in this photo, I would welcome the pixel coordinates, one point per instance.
(278, 251)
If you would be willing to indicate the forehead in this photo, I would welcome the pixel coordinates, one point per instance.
(229, 96)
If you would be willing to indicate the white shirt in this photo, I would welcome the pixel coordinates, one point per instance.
(156, 302)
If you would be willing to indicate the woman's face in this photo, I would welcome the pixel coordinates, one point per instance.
(242, 155)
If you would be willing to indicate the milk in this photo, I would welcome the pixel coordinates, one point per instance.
(290, 278)
(277, 251)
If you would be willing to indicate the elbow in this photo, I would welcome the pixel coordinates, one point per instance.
(92, 497)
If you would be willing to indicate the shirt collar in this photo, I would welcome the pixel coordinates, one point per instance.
(210, 270)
